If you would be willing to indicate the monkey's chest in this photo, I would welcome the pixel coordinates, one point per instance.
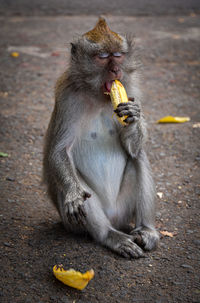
(100, 158)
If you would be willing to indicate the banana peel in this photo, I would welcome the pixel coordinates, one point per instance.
(171, 119)
(73, 278)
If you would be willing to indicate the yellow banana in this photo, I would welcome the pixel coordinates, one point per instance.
(118, 95)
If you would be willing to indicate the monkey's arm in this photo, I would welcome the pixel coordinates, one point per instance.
(60, 168)
(133, 135)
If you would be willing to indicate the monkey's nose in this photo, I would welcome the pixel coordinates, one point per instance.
(115, 72)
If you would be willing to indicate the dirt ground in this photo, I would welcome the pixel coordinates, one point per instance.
(32, 236)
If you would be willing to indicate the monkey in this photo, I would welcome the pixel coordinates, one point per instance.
(97, 171)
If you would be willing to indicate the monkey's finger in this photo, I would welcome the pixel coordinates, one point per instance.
(81, 217)
(123, 104)
(125, 255)
(131, 250)
(136, 251)
(82, 211)
(128, 105)
(70, 208)
(120, 109)
(128, 110)
(132, 99)
(125, 113)
(72, 219)
(67, 214)
(130, 119)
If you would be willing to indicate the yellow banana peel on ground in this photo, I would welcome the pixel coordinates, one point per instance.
(171, 119)
(73, 278)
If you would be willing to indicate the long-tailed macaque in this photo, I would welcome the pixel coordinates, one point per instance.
(96, 169)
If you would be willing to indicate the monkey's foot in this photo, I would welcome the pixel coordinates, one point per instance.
(123, 245)
(146, 238)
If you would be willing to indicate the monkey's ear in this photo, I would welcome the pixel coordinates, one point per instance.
(73, 49)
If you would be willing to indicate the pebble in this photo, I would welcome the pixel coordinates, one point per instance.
(64, 300)
(186, 266)
(10, 200)
(10, 179)
(7, 244)
(197, 242)
(177, 283)
(189, 231)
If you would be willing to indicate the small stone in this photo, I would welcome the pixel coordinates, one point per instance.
(177, 283)
(186, 266)
(197, 242)
(7, 244)
(10, 179)
(65, 300)
(10, 200)
(189, 231)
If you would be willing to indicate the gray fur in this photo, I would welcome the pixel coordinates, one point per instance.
(87, 152)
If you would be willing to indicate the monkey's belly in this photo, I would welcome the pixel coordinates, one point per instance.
(101, 164)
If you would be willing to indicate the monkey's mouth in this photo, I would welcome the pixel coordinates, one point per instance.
(107, 86)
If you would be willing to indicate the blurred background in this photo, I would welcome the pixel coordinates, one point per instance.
(95, 7)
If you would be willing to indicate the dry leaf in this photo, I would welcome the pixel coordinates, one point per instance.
(160, 195)
(4, 94)
(171, 119)
(196, 125)
(73, 278)
(167, 233)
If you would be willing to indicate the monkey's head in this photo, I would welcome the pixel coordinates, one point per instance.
(99, 57)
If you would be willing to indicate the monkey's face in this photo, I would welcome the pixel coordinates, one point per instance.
(99, 57)
(94, 68)
(111, 65)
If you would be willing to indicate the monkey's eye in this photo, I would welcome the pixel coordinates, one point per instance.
(117, 54)
(103, 55)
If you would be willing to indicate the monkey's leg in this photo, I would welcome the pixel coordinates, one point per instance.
(145, 232)
(102, 231)
(97, 224)
(137, 192)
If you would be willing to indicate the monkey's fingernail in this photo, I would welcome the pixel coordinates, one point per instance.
(131, 99)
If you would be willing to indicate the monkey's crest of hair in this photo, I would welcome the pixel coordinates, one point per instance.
(101, 33)
(102, 36)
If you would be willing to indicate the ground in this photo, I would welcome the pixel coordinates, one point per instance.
(33, 238)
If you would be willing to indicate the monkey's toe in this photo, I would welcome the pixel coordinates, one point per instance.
(129, 249)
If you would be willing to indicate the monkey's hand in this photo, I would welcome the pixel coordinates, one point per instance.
(74, 207)
(134, 133)
(130, 109)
